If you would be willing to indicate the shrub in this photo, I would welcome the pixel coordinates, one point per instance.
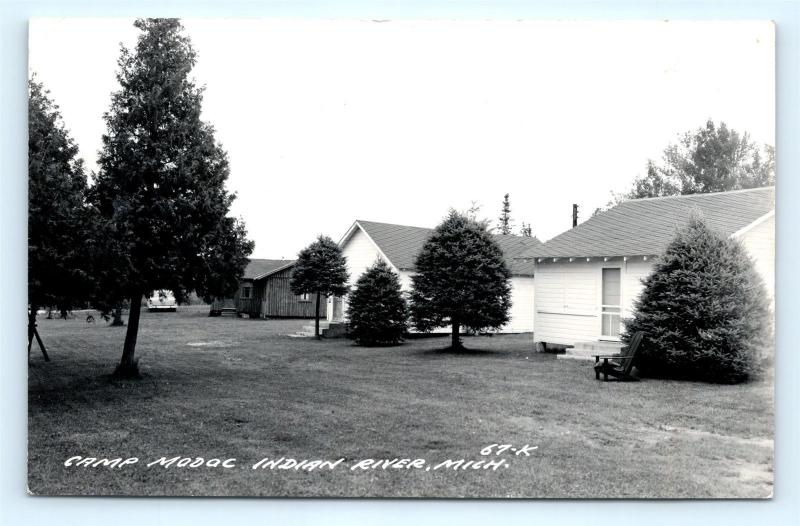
(704, 310)
(376, 308)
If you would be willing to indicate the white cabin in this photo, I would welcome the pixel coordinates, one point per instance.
(588, 278)
(398, 245)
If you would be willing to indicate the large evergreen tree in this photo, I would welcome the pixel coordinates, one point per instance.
(462, 279)
(704, 311)
(377, 311)
(161, 186)
(58, 219)
(713, 158)
(320, 269)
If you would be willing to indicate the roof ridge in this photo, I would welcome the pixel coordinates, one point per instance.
(739, 191)
(516, 236)
(391, 224)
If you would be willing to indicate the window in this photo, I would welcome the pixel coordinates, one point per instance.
(305, 296)
(247, 292)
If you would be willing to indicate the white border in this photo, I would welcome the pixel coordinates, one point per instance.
(17, 508)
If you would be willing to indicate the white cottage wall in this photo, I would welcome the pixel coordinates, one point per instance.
(568, 296)
(567, 301)
(360, 253)
(522, 305)
(636, 269)
(760, 244)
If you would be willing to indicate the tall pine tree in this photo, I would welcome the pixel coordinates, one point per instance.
(704, 311)
(462, 279)
(504, 221)
(161, 187)
(58, 219)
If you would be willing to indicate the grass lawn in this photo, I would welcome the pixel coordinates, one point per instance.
(238, 388)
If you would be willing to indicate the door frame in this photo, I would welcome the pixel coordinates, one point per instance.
(610, 265)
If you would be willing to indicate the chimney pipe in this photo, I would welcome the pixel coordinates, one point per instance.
(574, 215)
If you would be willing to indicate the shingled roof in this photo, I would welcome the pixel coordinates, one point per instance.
(643, 227)
(401, 244)
(258, 268)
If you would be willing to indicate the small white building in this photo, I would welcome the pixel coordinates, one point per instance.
(398, 245)
(587, 278)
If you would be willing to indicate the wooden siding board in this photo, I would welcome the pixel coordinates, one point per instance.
(272, 297)
(278, 301)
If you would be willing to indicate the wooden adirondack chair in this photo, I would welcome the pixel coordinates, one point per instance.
(619, 366)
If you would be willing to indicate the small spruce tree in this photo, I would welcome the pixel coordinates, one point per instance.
(704, 311)
(462, 279)
(376, 308)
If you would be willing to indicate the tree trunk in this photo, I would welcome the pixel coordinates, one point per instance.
(456, 340)
(33, 332)
(316, 320)
(31, 326)
(128, 366)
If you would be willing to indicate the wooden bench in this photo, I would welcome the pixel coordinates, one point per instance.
(618, 365)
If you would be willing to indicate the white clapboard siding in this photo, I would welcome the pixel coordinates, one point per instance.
(568, 296)
(566, 301)
(522, 305)
(405, 280)
(361, 253)
(760, 244)
(636, 269)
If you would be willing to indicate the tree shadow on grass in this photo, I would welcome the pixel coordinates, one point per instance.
(376, 345)
(463, 351)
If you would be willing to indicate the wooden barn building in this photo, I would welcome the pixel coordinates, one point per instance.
(264, 293)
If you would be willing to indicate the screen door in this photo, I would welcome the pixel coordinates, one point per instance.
(611, 303)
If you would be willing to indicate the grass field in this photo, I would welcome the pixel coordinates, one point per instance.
(243, 389)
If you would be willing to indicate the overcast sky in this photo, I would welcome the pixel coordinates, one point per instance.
(326, 122)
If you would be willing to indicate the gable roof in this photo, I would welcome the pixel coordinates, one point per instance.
(261, 268)
(401, 244)
(643, 227)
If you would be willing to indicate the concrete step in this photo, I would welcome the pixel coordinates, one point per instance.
(301, 334)
(586, 350)
(310, 328)
(598, 346)
(335, 330)
(326, 330)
